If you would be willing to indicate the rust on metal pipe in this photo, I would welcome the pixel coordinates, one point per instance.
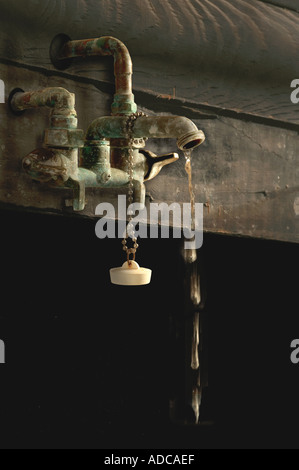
(123, 68)
(181, 128)
(58, 98)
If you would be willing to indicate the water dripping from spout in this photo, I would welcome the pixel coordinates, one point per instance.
(188, 168)
(195, 299)
(196, 403)
(195, 364)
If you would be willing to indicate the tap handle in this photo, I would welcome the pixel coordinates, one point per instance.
(155, 163)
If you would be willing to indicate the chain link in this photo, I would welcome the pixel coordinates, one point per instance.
(129, 129)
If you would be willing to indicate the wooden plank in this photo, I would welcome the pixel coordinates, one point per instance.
(245, 173)
(225, 65)
(231, 55)
(247, 176)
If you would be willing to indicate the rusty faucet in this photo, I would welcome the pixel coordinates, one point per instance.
(105, 148)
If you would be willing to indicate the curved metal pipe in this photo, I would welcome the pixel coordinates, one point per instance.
(183, 129)
(57, 97)
(123, 68)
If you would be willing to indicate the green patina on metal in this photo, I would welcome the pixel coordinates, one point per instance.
(109, 141)
(123, 69)
(100, 42)
(181, 128)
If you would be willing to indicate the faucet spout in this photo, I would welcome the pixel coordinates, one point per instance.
(183, 129)
(123, 68)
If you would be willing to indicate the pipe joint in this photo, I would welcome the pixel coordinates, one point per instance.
(123, 68)
(56, 98)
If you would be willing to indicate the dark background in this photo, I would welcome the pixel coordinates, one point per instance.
(88, 363)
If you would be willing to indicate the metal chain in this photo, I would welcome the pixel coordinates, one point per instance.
(129, 129)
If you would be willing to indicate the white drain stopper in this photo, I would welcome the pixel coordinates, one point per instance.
(130, 275)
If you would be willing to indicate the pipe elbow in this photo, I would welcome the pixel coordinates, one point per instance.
(58, 98)
(183, 129)
(189, 136)
(61, 98)
(103, 46)
(122, 59)
(101, 129)
(123, 67)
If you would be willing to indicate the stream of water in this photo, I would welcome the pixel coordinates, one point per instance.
(195, 288)
(188, 168)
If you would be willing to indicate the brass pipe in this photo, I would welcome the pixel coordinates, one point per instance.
(123, 68)
(181, 128)
(57, 97)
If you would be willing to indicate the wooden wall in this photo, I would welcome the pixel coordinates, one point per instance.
(227, 65)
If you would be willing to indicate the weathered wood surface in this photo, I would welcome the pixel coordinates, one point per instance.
(226, 65)
(288, 4)
(237, 54)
